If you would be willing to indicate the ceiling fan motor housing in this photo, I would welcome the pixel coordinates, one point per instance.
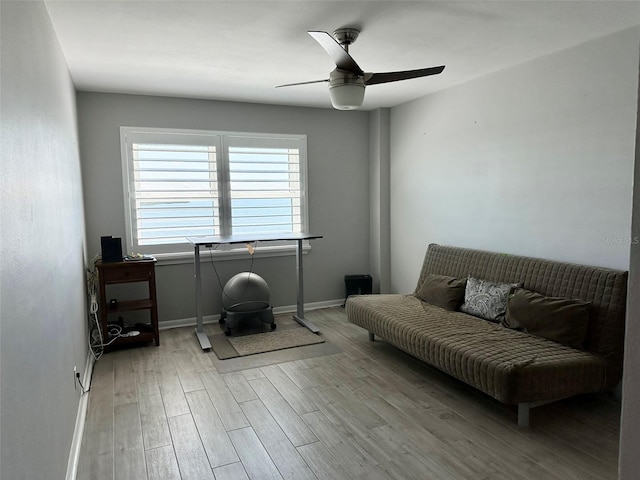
(341, 77)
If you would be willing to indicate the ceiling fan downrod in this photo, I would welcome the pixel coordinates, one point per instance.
(346, 36)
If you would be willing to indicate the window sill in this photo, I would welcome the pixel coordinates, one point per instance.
(207, 254)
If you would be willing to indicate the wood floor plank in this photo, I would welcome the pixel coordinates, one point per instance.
(347, 363)
(305, 363)
(211, 379)
(124, 378)
(96, 455)
(233, 471)
(290, 422)
(223, 401)
(143, 365)
(448, 456)
(183, 361)
(359, 434)
(252, 373)
(126, 427)
(336, 371)
(190, 381)
(239, 387)
(201, 359)
(405, 460)
(298, 375)
(130, 465)
(255, 459)
(351, 458)
(190, 453)
(284, 455)
(173, 397)
(187, 371)
(298, 400)
(100, 407)
(322, 463)
(128, 449)
(346, 406)
(212, 432)
(347, 416)
(572, 433)
(162, 464)
(155, 428)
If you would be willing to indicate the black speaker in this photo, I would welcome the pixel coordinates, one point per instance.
(111, 249)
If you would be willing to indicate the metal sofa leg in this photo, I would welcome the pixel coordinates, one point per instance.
(371, 337)
(523, 414)
(525, 407)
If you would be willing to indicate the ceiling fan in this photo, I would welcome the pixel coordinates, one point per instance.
(348, 81)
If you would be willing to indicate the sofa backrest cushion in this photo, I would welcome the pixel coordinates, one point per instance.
(605, 289)
(559, 319)
(443, 291)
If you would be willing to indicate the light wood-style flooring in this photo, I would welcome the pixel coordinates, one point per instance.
(356, 410)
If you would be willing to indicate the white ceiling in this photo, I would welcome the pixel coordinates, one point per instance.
(239, 50)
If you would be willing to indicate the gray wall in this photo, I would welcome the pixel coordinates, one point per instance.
(534, 160)
(42, 250)
(630, 421)
(338, 194)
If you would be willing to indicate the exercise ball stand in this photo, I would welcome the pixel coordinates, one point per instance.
(244, 296)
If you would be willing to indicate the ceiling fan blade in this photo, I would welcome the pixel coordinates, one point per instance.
(340, 56)
(301, 83)
(374, 78)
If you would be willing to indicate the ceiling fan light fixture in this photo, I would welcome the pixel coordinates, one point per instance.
(346, 89)
(346, 96)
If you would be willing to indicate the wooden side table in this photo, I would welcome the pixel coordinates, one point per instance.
(128, 272)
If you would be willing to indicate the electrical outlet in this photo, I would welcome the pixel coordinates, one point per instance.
(75, 377)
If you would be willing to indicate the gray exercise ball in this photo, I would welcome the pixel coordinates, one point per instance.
(244, 292)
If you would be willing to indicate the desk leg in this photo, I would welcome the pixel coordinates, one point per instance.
(299, 316)
(202, 337)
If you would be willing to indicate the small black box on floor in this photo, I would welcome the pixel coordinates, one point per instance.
(357, 285)
(111, 249)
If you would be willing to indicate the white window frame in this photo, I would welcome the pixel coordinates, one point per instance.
(180, 252)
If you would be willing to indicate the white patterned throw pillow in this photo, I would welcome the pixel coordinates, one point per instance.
(486, 299)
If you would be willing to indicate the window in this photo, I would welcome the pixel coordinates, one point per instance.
(184, 183)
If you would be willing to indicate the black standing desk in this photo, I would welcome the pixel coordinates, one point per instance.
(208, 241)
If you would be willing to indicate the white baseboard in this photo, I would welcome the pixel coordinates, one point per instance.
(189, 322)
(76, 442)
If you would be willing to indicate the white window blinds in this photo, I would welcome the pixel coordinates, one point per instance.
(175, 192)
(265, 186)
(184, 183)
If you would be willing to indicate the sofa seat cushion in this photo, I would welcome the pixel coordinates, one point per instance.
(508, 365)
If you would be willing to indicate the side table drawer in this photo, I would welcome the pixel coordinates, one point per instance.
(134, 272)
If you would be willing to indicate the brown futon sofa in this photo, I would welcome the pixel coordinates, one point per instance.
(502, 359)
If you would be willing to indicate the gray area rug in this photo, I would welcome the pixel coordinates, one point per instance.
(255, 339)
